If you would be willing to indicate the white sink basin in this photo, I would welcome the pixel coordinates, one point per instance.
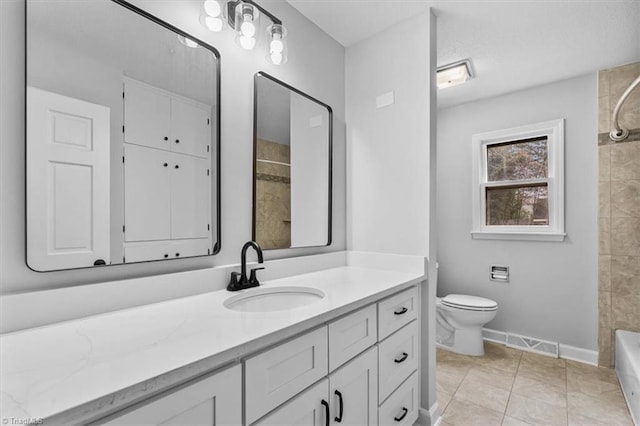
(273, 299)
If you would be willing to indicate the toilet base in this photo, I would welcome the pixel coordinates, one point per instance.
(467, 341)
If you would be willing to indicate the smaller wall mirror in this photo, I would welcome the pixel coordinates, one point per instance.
(292, 166)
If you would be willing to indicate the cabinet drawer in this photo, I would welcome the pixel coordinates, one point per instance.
(215, 400)
(398, 358)
(397, 311)
(351, 335)
(276, 375)
(402, 406)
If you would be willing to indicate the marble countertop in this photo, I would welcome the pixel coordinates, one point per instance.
(81, 370)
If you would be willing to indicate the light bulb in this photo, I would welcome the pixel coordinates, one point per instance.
(213, 24)
(190, 43)
(277, 46)
(248, 29)
(247, 42)
(212, 7)
(276, 58)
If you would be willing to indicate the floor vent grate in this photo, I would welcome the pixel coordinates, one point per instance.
(532, 344)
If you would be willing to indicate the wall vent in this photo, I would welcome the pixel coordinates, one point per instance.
(531, 344)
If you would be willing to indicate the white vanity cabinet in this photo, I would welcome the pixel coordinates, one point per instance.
(214, 400)
(338, 374)
(372, 371)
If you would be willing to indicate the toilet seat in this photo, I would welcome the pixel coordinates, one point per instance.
(469, 303)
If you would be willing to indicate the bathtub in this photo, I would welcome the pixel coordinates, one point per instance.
(628, 369)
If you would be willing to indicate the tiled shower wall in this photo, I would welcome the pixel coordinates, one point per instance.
(619, 213)
(273, 195)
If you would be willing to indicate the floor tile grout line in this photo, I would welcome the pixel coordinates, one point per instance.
(513, 382)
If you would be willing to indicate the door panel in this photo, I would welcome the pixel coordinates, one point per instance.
(146, 116)
(190, 128)
(68, 146)
(304, 410)
(356, 386)
(191, 197)
(147, 194)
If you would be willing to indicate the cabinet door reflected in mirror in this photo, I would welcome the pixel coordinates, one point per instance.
(122, 137)
(292, 167)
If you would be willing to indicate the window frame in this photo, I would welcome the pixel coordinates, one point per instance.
(554, 231)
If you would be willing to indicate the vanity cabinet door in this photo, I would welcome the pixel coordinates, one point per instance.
(190, 197)
(147, 196)
(146, 115)
(215, 400)
(307, 409)
(190, 128)
(354, 391)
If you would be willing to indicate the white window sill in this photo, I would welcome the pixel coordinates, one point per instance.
(518, 236)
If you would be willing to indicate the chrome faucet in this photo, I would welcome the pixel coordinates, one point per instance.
(239, 280)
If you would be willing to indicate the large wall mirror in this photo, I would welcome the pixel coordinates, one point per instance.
(122, 137)
(292, 166)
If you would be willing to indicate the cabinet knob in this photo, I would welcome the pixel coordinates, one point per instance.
(166, 138)
(177, 167)
(165, 164)
(166, 256)
(177, 254)
(177, 140)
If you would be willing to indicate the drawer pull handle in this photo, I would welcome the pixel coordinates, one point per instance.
(400, 312)
(326, 412)
(404, 356)
(338, 418)
(404, 413)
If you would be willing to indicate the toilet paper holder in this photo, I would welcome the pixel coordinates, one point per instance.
(499, 273)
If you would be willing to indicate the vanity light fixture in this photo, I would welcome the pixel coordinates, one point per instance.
(243, 16)
(454, 74)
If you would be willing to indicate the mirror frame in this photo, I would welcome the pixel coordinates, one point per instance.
(256, 77)
(218, 219)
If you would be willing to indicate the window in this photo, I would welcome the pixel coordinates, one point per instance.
(518, 183)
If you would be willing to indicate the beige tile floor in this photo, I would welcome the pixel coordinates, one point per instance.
(511, 387)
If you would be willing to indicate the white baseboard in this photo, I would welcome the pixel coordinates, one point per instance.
(494, 336)
(430, 417)
(572, 353)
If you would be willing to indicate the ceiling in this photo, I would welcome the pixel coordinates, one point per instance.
(513, 44)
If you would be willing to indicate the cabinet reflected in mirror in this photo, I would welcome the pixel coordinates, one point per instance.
(292, 166)
(122, 137)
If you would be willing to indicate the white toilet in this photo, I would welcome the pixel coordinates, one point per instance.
(459, 322)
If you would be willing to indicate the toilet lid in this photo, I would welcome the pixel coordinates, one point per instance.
(474, 303)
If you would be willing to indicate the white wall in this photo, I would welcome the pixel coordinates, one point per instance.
(316, 66)
(388, 147)
(309, 172)
(552, 294)
(390, 167)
